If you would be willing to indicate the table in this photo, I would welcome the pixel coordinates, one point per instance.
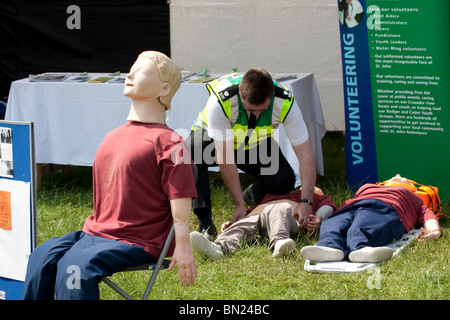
(71, 118)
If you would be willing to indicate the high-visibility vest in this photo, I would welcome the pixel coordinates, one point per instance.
(226, 89)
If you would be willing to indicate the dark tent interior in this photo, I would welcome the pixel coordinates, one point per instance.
(81, 36)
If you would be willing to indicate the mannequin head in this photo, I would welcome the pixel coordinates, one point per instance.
(153, 77)
(398, 180)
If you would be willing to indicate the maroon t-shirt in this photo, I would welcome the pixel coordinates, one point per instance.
(409, 207)
(296, 195)
(137, 170)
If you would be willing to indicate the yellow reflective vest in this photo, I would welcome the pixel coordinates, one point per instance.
(226, 89)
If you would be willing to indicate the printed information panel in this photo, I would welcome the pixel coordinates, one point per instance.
(396, 76)
(17, 205)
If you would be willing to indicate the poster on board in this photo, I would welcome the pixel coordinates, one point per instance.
(6, 160)
(17, 205)
(396, 75)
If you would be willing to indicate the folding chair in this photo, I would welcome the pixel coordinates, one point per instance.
(161, 263)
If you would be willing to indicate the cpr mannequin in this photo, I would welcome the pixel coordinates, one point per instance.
(151, 83)
(362, 226)
(139, 189)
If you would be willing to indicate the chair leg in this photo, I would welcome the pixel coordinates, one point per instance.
(150, 284)
(116, 288)
(159, 263)
(155, 271)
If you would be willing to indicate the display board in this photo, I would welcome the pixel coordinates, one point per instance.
(396, 76)
(17, 205)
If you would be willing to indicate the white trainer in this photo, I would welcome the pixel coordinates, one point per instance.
(321, 254)
(283, 247)
(371, 254)
(200, 243)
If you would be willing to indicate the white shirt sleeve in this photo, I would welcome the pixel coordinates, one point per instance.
(295, 127)
(219, 126)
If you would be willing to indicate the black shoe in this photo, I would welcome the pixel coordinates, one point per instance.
(249, 198)
(208, 229)
(205, 223)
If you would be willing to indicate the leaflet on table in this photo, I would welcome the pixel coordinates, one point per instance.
(79, 77)
(96, 80)
(100, 80)
(201, 80)
(111, 78)
(284, 77)
(117, 80)
(53, 77)
(186, 74)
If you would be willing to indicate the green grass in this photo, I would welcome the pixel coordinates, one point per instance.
(419, 272)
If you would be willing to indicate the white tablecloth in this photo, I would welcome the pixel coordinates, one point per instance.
(71, 119)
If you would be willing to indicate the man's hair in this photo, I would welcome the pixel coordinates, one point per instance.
(256, 86)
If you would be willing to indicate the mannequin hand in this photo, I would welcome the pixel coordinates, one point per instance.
(429, 235)
(313, 222)
(225, 225)
(183, 256)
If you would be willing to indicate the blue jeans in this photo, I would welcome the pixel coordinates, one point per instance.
(370, 222)
(70, 267)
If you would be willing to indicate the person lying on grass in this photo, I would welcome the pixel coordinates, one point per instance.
(273, 219)
(377, 215)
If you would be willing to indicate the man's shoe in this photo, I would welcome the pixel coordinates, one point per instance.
(249, 198)
(209, 231)
(283, 247)
(206, 247)
(321, 254)
(371, 254)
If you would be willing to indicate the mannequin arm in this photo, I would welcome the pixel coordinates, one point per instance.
(183, 254)
(431, 231)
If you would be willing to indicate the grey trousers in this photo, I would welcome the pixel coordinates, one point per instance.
(274, 222)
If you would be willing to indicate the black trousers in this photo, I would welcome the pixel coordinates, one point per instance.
(265, 163)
